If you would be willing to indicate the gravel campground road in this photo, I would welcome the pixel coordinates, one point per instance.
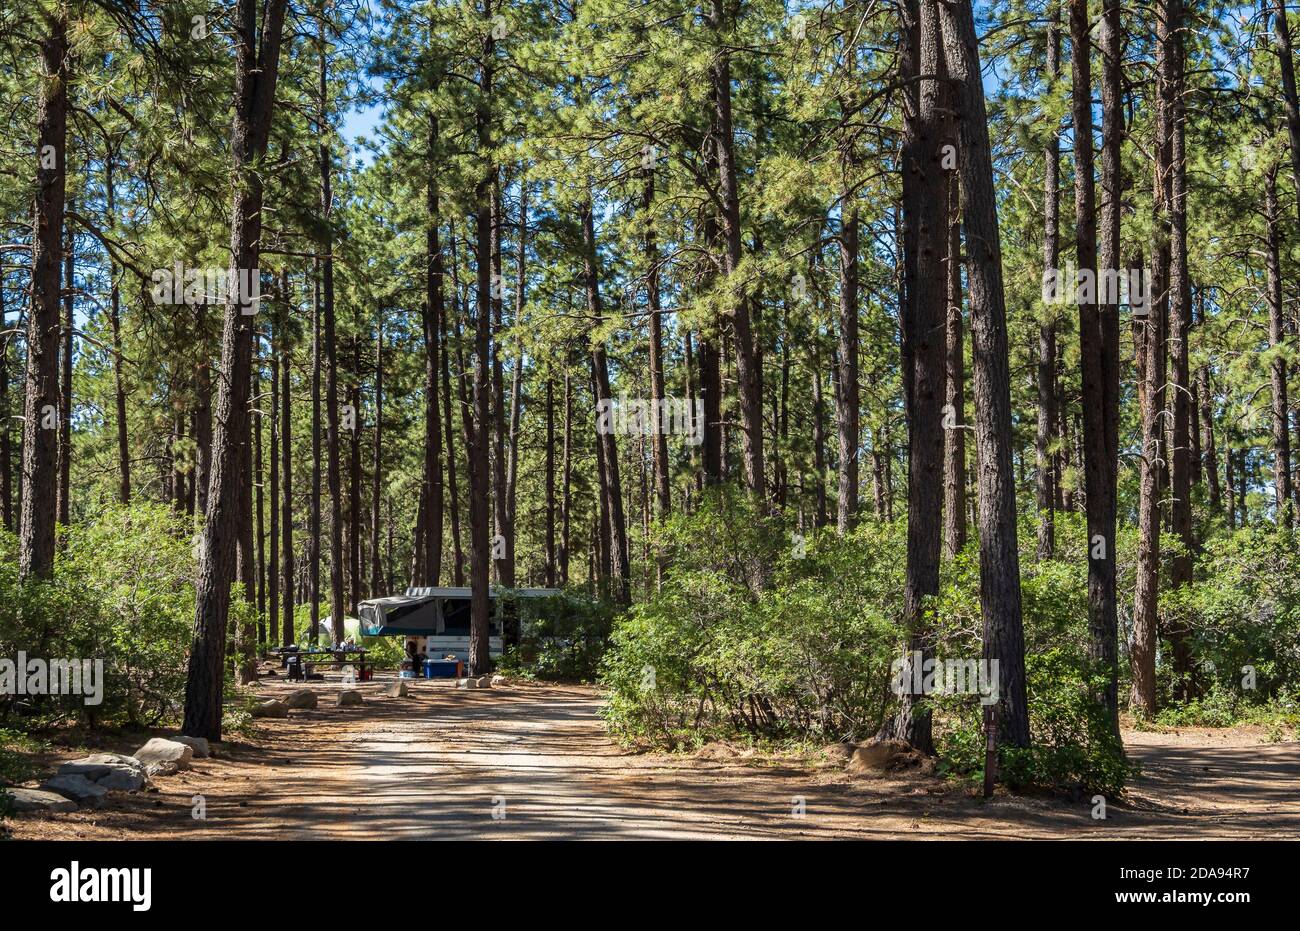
(530, 761)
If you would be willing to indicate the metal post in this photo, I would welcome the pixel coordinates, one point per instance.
(990, 749)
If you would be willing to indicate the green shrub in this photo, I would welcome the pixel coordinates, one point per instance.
(561, 637)
(122, 592)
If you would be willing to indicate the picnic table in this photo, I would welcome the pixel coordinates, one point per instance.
(339, 657)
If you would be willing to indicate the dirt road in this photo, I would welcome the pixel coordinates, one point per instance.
(529, 762)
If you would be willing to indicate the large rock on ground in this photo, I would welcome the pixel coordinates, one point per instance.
(162, 757)
(467, 683)
(123, 781)
(77, 788)
(349, 697)
(497, 681)
(301, 700)
(484, 682)
(397, 689)
(20, 799)
(271, 709)
(198, 744)
(99, 765)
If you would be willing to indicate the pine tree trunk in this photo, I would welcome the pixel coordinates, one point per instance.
(1151, 337)
(1045, 492)
(478, 426)
(273, 564)
(1286, 68)
(550, 483)
(6, 452)
(1180, 319)
(41, 390)
(333, 471)
(433, 326)
(65, 376)
(376, 463)
(749, 374)
(954, 453)
(1277, 365)
(926, 337)
(1000, 598)
(847, 401)
(314, 527)
(255, 79)
(453, 494)
(287, 632)
(653, 310)
(259, 503)
(115, 328)
(611, 484)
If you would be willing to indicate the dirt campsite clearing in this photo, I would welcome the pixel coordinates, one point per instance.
(532, 761)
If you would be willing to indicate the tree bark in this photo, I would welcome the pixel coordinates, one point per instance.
(1045, 491)
(433, 327)
(255, 79)
(65, 377)
(847, 400)
(376, 463)
(1000, 598)
(458, 568)
(1286, 66)
(478, 429)
(1277, 364)
(748, 371)
(660, 443)
(925, 328)
(286, 470)
(115, 328)
(41, 391)
(611, 485)
(1180, 320)
(954, 453)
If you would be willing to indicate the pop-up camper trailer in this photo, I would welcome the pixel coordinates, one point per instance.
(440, 617)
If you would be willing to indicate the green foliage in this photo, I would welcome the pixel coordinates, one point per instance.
(1244, 611)
(1073, 743)
(720, 651)
(807, 653)
(561, 637)
(123, 593)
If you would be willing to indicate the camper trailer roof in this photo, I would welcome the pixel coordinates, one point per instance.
(464, 591)
(446, 592)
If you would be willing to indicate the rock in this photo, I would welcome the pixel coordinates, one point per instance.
(301, 700)
(97, 766)
(497, 681)
(77, 788)
(198, 744)
(397, 690)
(123, 781)
(467, 683)
(349, 697)
(484, 682)
(162, 757)
(271, 709)
(36, 800)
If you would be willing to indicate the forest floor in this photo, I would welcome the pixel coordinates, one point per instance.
(532, 761)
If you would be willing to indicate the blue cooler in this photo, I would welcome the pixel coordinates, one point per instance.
(441, 668)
